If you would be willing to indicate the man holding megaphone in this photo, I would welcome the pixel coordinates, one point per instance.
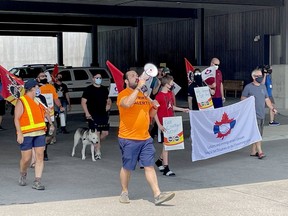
(135, 142)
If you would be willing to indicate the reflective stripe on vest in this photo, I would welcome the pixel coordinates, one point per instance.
(31, 125)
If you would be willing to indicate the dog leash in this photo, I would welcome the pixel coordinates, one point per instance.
(282, 115)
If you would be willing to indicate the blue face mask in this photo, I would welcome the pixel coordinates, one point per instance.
(98, 81)
(38, 92)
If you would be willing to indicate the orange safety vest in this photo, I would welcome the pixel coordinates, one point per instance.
(32, 118)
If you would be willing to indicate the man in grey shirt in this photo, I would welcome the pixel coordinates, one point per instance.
(256, 89)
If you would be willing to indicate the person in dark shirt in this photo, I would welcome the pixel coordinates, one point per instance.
(63, 95)
(96, 105)
(197, 82)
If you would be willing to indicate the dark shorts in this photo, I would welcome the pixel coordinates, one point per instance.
(217, 102)
(260, 123)
(30, 142)
(137, 150)
(101, 123)
(2, 107)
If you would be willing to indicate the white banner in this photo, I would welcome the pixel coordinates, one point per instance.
(173, 137)
(219, 131)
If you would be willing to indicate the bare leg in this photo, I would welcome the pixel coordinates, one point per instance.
(151, 178)
(258, 147)
(253, 149)
(124, 179)
(164, 156)
(39, 164)
(25, 161)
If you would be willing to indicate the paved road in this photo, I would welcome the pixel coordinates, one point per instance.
(231, 184)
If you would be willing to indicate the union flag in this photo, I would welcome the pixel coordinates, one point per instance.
(12, 86)
(189, 71)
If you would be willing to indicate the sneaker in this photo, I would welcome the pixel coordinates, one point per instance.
(159, 164)
(64, 131)
(46, 158)
(273, 123)
(38, 186)
(163, 197)
(22, 180)
(1, 128)
(168, 172)
(124, 198)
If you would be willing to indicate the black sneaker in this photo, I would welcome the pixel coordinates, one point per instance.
(1, 128)
(168, 172)
(273, 123)
(159, 164)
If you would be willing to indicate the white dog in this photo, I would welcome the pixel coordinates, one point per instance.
(88, 137)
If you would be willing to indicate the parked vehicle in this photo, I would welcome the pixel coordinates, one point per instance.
(30, 70)
(78, 78)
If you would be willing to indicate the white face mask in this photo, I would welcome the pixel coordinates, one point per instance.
(37, 92)
(216, 67)
(98, 81)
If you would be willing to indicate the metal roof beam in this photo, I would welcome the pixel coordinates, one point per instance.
(95, 10)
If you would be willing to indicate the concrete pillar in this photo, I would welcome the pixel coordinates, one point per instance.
(94, 44)
(284, 33)
(60, 48)
(139, 43)
(199, 37)
(280, 90)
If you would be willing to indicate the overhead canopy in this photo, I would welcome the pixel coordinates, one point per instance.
(48, 17)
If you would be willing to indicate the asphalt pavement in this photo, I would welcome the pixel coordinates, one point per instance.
(230, 184)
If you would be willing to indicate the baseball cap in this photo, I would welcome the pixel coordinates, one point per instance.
(30, 83)
(166, 70)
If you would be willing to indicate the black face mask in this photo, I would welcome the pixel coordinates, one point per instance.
(172, 87)
(59, 79)
(198, 80)
(43, 81)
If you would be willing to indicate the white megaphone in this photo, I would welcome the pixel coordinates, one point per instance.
(150, 70)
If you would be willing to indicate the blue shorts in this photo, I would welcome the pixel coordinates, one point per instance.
(31, 142)
(217, 102)
(137, 150)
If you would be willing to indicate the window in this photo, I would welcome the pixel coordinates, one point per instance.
(102, 72)
(66, 76)
(80, 75)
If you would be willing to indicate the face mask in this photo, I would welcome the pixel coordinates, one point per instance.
(216, 67)
(98, 81)
(172, 87)
(259, 79)
(198, 79)
(38, 92)
(59, 79)
(43, 81)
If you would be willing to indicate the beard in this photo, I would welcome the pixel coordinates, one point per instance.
(132, 85)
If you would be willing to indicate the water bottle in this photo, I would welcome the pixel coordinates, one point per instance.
(51, 130)
(62, 119)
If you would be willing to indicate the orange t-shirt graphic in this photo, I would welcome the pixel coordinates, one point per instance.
(134, 121)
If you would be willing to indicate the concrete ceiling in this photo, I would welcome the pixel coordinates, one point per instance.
(51, 16)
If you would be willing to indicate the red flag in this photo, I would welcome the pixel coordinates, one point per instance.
(189, 71)
(55, 72)
(117, 76)
(12, 86)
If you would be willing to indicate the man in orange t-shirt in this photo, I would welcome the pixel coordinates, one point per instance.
(135, 142)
